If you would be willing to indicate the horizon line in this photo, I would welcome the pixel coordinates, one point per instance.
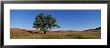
(59, 30)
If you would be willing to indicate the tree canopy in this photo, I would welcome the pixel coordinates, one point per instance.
(44, 22)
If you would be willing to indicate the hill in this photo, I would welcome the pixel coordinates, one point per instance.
(16, 33)
(94, 30)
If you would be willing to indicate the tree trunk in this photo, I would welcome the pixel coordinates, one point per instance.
(45, 32)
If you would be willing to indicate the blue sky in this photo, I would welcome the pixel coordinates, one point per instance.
(67, 19)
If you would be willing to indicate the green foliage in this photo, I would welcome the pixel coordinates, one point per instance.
(43, 22)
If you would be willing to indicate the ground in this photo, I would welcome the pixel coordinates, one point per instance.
(20, 34)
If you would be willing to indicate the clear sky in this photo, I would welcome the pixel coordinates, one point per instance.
(67, 19)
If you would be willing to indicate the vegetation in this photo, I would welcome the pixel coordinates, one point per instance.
(44, 23)
(19, 34)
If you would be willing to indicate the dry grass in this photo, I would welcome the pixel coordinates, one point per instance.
(19, 34)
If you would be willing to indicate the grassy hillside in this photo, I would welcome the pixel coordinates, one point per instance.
(21, 34)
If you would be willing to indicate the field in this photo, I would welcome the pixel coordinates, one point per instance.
(19, 34)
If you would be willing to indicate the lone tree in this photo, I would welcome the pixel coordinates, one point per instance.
(44, 23)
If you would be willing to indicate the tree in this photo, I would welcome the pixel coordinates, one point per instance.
(51, 22)
(44, 23)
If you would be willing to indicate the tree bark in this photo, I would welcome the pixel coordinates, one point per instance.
(45, 32)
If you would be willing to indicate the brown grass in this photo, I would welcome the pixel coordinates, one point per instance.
(20, 34)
